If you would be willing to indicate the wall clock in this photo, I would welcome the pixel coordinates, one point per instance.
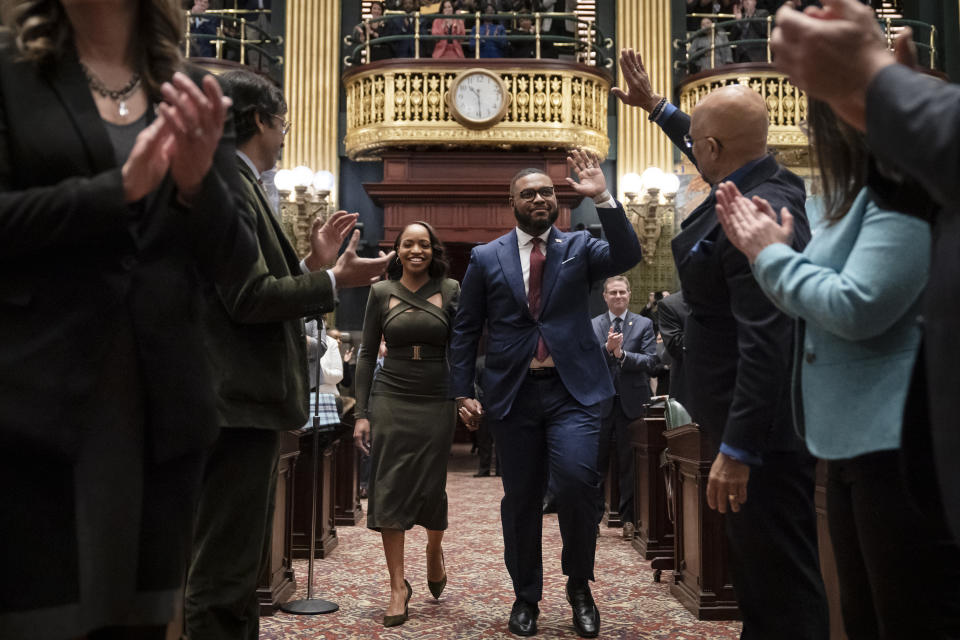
(478, 98)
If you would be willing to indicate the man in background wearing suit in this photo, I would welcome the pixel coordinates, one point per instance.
(672, 313)
(841, 57)
(738, 362)
(630, 348)
(544, 379)
(257, 346)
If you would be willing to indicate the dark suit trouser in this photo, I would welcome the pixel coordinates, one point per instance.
(547, 430)
(615, 436)
(233, 525)
(774, 561)
(881, 540)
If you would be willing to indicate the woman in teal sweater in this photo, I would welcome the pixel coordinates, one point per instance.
(854, 291)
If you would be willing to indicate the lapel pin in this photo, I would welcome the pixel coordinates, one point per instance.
(557, 240)
(630, 323)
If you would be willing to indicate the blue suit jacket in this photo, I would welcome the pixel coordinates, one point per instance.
(631, 378)
(492, 293)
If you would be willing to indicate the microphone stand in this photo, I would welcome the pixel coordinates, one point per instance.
(313, 606)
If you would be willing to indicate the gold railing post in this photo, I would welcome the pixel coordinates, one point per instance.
(933, 46)
(186, 38)
(416, 34)
(889, 35)
(219, 52)
(536, 20)
(366, 27)
(769, 31)
(590, 31)
(476, 37)
(713, 45)
(243, 40)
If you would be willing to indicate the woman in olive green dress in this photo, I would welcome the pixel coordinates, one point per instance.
(407, 407)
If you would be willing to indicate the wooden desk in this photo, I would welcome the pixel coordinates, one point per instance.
(701, 579)
(326, 539)
(654, 532)
(277, 582)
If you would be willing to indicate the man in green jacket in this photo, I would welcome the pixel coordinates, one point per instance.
(256, 342)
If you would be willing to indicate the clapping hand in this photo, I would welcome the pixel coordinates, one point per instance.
(196, 120)
(751, 225)
(353, 271)
(327, 237)
(590, 181)
(614, 343)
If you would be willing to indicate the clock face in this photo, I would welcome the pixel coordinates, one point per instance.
(478, 97)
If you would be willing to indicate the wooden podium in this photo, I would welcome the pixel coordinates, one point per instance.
(654, 532)
(347, 510)
(326, 540)
(277, 581)
(701, 578)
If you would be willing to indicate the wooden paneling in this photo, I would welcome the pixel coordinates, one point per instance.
(463, 195)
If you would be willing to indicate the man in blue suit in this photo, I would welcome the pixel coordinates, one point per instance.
(629, 345)
(544, 379)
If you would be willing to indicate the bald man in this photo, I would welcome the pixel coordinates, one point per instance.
(738, 361)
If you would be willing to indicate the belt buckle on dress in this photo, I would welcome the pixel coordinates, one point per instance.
(416, 352)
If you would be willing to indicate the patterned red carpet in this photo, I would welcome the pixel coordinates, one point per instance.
(477, 600)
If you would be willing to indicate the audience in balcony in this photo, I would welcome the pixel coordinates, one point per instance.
(406, 26)
(371, 30)
(493, 36)
(523, 48)
(451, 27)
(699, 54)
(202, 29)
(753, 26)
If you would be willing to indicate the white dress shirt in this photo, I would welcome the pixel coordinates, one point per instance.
(525, 246)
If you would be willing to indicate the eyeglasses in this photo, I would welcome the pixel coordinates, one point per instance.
(530, 194)
(688, 141)
(284, 124)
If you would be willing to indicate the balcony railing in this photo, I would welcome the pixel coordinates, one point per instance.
(590, 46)
(711, 47)
(232, 34)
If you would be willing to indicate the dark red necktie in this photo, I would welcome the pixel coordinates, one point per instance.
(533, 295)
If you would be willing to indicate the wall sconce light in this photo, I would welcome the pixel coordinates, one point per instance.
(301, 201)
(650, 206)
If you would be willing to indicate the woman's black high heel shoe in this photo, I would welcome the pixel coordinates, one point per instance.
(436, 588)
(400, 618)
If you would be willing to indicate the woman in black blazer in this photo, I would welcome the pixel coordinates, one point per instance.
(114, 214)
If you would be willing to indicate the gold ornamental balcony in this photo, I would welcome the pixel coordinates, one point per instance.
(786, 105)
(403, 104)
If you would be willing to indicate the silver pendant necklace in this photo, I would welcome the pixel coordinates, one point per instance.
(119, 96)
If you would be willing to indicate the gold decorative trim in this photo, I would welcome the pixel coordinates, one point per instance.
(786, 106)
(548, 108)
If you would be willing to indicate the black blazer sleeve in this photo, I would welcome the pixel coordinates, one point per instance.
(925, 114)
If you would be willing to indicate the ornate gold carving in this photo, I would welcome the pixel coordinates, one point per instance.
(786, 106)
(408, 107)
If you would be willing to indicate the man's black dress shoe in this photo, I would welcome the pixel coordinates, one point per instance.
(523, 618)
(586, 616)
